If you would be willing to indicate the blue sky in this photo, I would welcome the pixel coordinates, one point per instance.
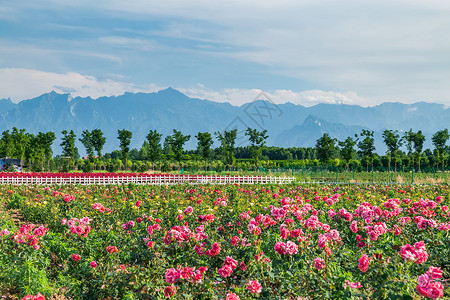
(304, 51)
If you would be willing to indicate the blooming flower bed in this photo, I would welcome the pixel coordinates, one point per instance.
(226, 242)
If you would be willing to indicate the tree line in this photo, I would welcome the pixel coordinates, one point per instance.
(35, 150)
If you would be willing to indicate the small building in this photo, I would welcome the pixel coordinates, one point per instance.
(6, 163)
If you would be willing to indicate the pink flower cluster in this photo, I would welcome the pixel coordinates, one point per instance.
(415, 253)
(363, 263)
(333, 199)
(39, 296)
(278, 213)
(186, 273)
(351, 284)
(215, 249)
(112, 249)
(331, 236)
(128, 225)
(289, 248)
(27, 235)
(319, 263)
(68, 198)
(220, 202)
(179, 234)
(100, 207)
(78, 226)
(427, 284)
(254, 286)
(206, 218)
(170, 291)
(228, 267)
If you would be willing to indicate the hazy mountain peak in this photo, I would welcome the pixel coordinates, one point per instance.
(287, 124)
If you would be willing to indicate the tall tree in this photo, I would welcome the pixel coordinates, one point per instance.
(21, 141)
(176, 143)
(325, 148)
(46, 140)
(204, 145)
(257, 140)
(154, 141)
(409, 137)
(347, 149)
(439, 140)
(124, 137)
(227, 140)
(367, 146)
(8, 149)
(98, 141)
(68, 147)
(392, 140)
(419, 139)
(86, 140)
(34, 153)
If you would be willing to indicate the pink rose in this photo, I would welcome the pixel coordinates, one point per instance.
(225, 271)
(422, 291)
(76, 257)
(423, 280)
(170, 291)
(363, 263)
(435, 290)
(434, 272)
(93, 264)
(254, 286)
(232, 296)
(172, 275)
(319, 263)
(291, 248)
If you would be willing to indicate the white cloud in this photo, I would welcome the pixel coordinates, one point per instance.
(305, 98)
(21, 84)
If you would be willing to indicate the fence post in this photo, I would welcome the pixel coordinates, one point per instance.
(336, 174)
(321, 168)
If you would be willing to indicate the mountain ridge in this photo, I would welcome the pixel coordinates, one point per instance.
(170, 109)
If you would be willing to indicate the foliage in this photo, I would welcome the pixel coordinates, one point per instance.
(257, 140)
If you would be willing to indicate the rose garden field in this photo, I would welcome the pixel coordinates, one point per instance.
(225, 241)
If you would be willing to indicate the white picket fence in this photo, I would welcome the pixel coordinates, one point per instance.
(149, 180)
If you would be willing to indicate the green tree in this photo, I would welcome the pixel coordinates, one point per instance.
(257, 140)
(325, 148)
(124, 137)
(392, 140)
(176, 142)
(21, 141)
(98, 141)
(154, 141)
(8, 149)
(68, 147)
(409, 137)
(204, 145)
(347, 149)
(46, 140)
(439, 140)
(227, 140)
(34, 153)
(367, 146)
(419, 139)
(86, 140)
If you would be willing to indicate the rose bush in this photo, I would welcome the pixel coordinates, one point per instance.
(227, 242)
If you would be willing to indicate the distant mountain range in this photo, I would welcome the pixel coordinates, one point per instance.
(288, 125)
